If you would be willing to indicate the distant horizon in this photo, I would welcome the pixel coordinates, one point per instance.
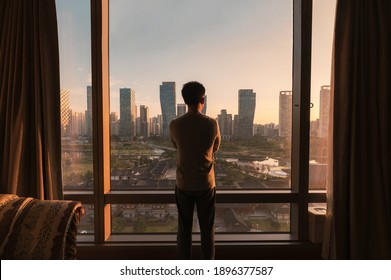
(183, 103)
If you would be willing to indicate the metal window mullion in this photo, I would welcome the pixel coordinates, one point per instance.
(302, 36)
(168, 198)
(100, 117)
(86, 198)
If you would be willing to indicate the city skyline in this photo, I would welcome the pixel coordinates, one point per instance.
(144, 124)
(231, 46)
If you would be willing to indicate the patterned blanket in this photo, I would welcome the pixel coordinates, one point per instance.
(35, 229)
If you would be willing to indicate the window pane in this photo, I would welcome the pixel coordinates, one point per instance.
(322, 38)
(86, 225)
(241, 52)
(76, 93)
(141, 218)
(230, 218)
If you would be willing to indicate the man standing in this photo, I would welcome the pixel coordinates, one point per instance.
(196, 138)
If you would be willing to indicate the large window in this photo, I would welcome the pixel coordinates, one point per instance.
(76, 93)
(123, 166)
(243, 55)
(322, 37)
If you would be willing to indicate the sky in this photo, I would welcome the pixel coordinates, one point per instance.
(225, 44)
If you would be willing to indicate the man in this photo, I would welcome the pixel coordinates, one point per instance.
(196, 138)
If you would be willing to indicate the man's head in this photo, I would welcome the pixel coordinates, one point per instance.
(193, 93)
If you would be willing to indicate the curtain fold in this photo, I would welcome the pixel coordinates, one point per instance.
(30, 142)
(358, 223)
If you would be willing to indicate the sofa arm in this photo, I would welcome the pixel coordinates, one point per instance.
(38, 229)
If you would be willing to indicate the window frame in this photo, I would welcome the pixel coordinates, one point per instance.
(298, 196)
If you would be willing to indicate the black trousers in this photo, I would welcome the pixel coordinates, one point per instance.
(205, 202)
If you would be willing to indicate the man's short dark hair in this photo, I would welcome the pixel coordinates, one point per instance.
(192, 92)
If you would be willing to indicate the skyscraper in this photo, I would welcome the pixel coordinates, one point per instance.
(156, 123)
(205, 105)
(144, 121)
(78, 124)
(114, 124)
(88, 113)
(324, 107)
(138, 126)
(181, 109)
(167, 103)
(285, 114)
(267, 130)
(247, 99)
(128, 113)
(65, 113)
(236, 125)
(314, 128)
(225, 124)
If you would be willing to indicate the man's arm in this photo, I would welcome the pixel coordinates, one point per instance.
(217, 142)
(172, 135)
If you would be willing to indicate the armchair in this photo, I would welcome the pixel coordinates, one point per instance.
(38, 229)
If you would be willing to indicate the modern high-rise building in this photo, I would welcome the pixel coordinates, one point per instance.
(258, 129)
(314, 128)
(168, 104)
(144, 121)
(78, 124)
(266, 130)
(285, 114)
(236, 125)
(205, 105)
(88, 113)
(138, 126)
(247, 100)
(324, 107)
(181, 109)
(156, 123)
(225, 124)
(114, 124)
(65, 112)
(128, 113)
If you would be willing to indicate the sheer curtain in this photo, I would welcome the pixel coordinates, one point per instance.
(30, 142)
(358, 223)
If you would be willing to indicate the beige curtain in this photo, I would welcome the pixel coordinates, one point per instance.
(358, 224)
(30, 142)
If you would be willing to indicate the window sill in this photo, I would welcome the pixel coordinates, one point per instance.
(239, 250)
(171, 238)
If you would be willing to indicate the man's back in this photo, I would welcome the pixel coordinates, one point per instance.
(196, 138)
